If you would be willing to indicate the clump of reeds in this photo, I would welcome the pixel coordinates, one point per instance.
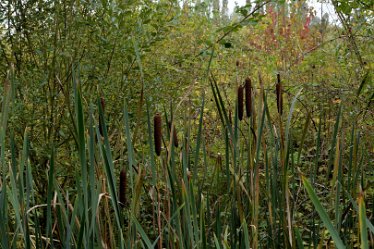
(248, 96)
(175, 136)
(240, 102)
(122, 187)
(157, 133)
(279, 95)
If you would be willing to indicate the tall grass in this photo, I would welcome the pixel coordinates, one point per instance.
(253, 192)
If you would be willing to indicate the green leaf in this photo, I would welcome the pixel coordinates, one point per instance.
(363, 82)
(345, 7)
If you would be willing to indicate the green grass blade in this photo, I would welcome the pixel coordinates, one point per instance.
(246, 234)
(198, 140)
(4, 217)
(216, 242)
(143, 234)
(323, 214)
(290, 115)
(362, 223)
(130, 150)
(299, 240)
(150, 142)
(355, 206)
(334, 140)
(82, 152)
(50, 193)
(92, 185)
(109, 170)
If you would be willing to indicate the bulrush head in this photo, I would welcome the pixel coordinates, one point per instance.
(175, 136)
(157, 133)
(122, 188)
(279, 95)
(219, 160)
(240, 102)
(102, 102)
(101, 125)
(248, 96)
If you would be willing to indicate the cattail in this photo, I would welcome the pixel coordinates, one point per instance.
(219, 160)
(101, 125)
(122, 187)
(240, 103)
(237, 63)
(175, 136)
(279, 95)
(102, 102)
(157, 133)
(230, 116)
(248, 96)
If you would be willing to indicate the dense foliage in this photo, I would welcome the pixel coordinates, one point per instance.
(167, 124)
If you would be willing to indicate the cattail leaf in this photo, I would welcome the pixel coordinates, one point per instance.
(216, 242)
(299, 240)
(106, 156)
(198, 139)
(151, 149)
(288, 125)
(122, 187)
(355, 206)
(220, 106)
(362, 222)
(246, 234)
(323, 214)
(334, 141)
(363, 82)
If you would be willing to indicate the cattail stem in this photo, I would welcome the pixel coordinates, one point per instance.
(157, 133)
(279, 95)
(240, 102)
(248, 96)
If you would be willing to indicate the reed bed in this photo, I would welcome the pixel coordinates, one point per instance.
(264, 188)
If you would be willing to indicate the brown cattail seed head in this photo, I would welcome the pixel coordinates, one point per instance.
(240, 102)
(102, 102)
(219, 160)
(237, 63)
(157, 133)
(175, 136)
(248, 96)
(279, 95)
(230, 116)
(101, 127)
(122, 187)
